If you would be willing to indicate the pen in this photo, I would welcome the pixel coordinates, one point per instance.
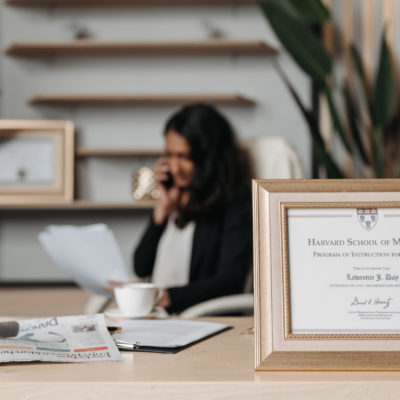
(127, 346)
(114, 329)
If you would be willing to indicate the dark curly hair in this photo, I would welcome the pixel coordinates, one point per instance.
(220, 163)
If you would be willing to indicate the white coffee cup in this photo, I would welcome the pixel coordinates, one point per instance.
(136, 299)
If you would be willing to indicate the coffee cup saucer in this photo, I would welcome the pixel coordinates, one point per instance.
(116, 313)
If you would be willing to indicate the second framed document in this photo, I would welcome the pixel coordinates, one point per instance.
(327, 274)
(36, 162)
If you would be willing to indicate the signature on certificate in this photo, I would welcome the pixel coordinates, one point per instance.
(385, 303)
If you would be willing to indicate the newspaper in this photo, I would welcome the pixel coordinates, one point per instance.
(79, 338)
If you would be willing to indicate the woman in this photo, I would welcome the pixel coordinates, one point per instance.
(198, 244)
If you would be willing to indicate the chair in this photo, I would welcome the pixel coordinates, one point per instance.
(96, 304)
(273, 158)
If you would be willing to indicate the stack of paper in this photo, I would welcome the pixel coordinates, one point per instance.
(90, 255)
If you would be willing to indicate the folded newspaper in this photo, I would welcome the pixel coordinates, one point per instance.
(90, 255)
(80, 338)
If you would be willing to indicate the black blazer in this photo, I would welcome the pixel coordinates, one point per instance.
(221, 254)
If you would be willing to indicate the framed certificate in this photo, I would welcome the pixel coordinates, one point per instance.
(327, 274)
(36, 161)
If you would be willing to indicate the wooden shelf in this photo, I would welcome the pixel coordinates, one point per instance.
(81, 205)
(100, 3)
(99, 48)
(84, 153)
(138, 100)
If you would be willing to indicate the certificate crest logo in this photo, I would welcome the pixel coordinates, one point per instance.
(367, 218)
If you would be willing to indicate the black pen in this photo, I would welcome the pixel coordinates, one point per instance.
(114, 329)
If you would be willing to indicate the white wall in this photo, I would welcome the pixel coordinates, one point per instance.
(253, 76)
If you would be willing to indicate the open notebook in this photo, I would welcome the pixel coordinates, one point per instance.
(163, 336)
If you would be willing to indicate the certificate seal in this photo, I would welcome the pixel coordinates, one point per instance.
(367, 218)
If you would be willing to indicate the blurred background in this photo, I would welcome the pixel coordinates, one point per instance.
(141, 60)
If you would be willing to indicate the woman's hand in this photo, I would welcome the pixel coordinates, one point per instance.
(111, 284)
(169, 197)
(164, 299)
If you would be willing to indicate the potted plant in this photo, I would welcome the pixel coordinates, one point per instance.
(366, 122)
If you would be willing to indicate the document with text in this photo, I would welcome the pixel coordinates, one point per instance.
(78, 338)
(164, 336)
(344, 269)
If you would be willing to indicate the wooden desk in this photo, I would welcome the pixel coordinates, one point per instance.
(37, 302)
(218, 368)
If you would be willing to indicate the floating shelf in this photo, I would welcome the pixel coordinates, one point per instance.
(98, 48)
(84, 153)
(139, 100)
(99, 3)
(81, 205)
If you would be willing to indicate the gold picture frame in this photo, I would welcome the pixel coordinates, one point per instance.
(36, 162)
(325, 274)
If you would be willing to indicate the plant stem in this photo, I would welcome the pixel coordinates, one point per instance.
(379, 153)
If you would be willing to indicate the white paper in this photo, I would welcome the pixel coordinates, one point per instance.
(79, 338)
(344, 269)
(165, 333)
(90, 255)
(27, 161)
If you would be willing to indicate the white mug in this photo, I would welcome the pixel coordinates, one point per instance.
(136, 299)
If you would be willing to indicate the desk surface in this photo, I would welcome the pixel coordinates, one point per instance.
(218, 368)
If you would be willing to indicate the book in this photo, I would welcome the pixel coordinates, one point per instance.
(163, 336)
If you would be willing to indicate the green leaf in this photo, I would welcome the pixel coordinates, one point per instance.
(299, 40)
(384, 103)
(312, 11)
(379, 153)
(332, 170)
(352, 116)
(335, 118)
(392, 148)
(362, 76)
